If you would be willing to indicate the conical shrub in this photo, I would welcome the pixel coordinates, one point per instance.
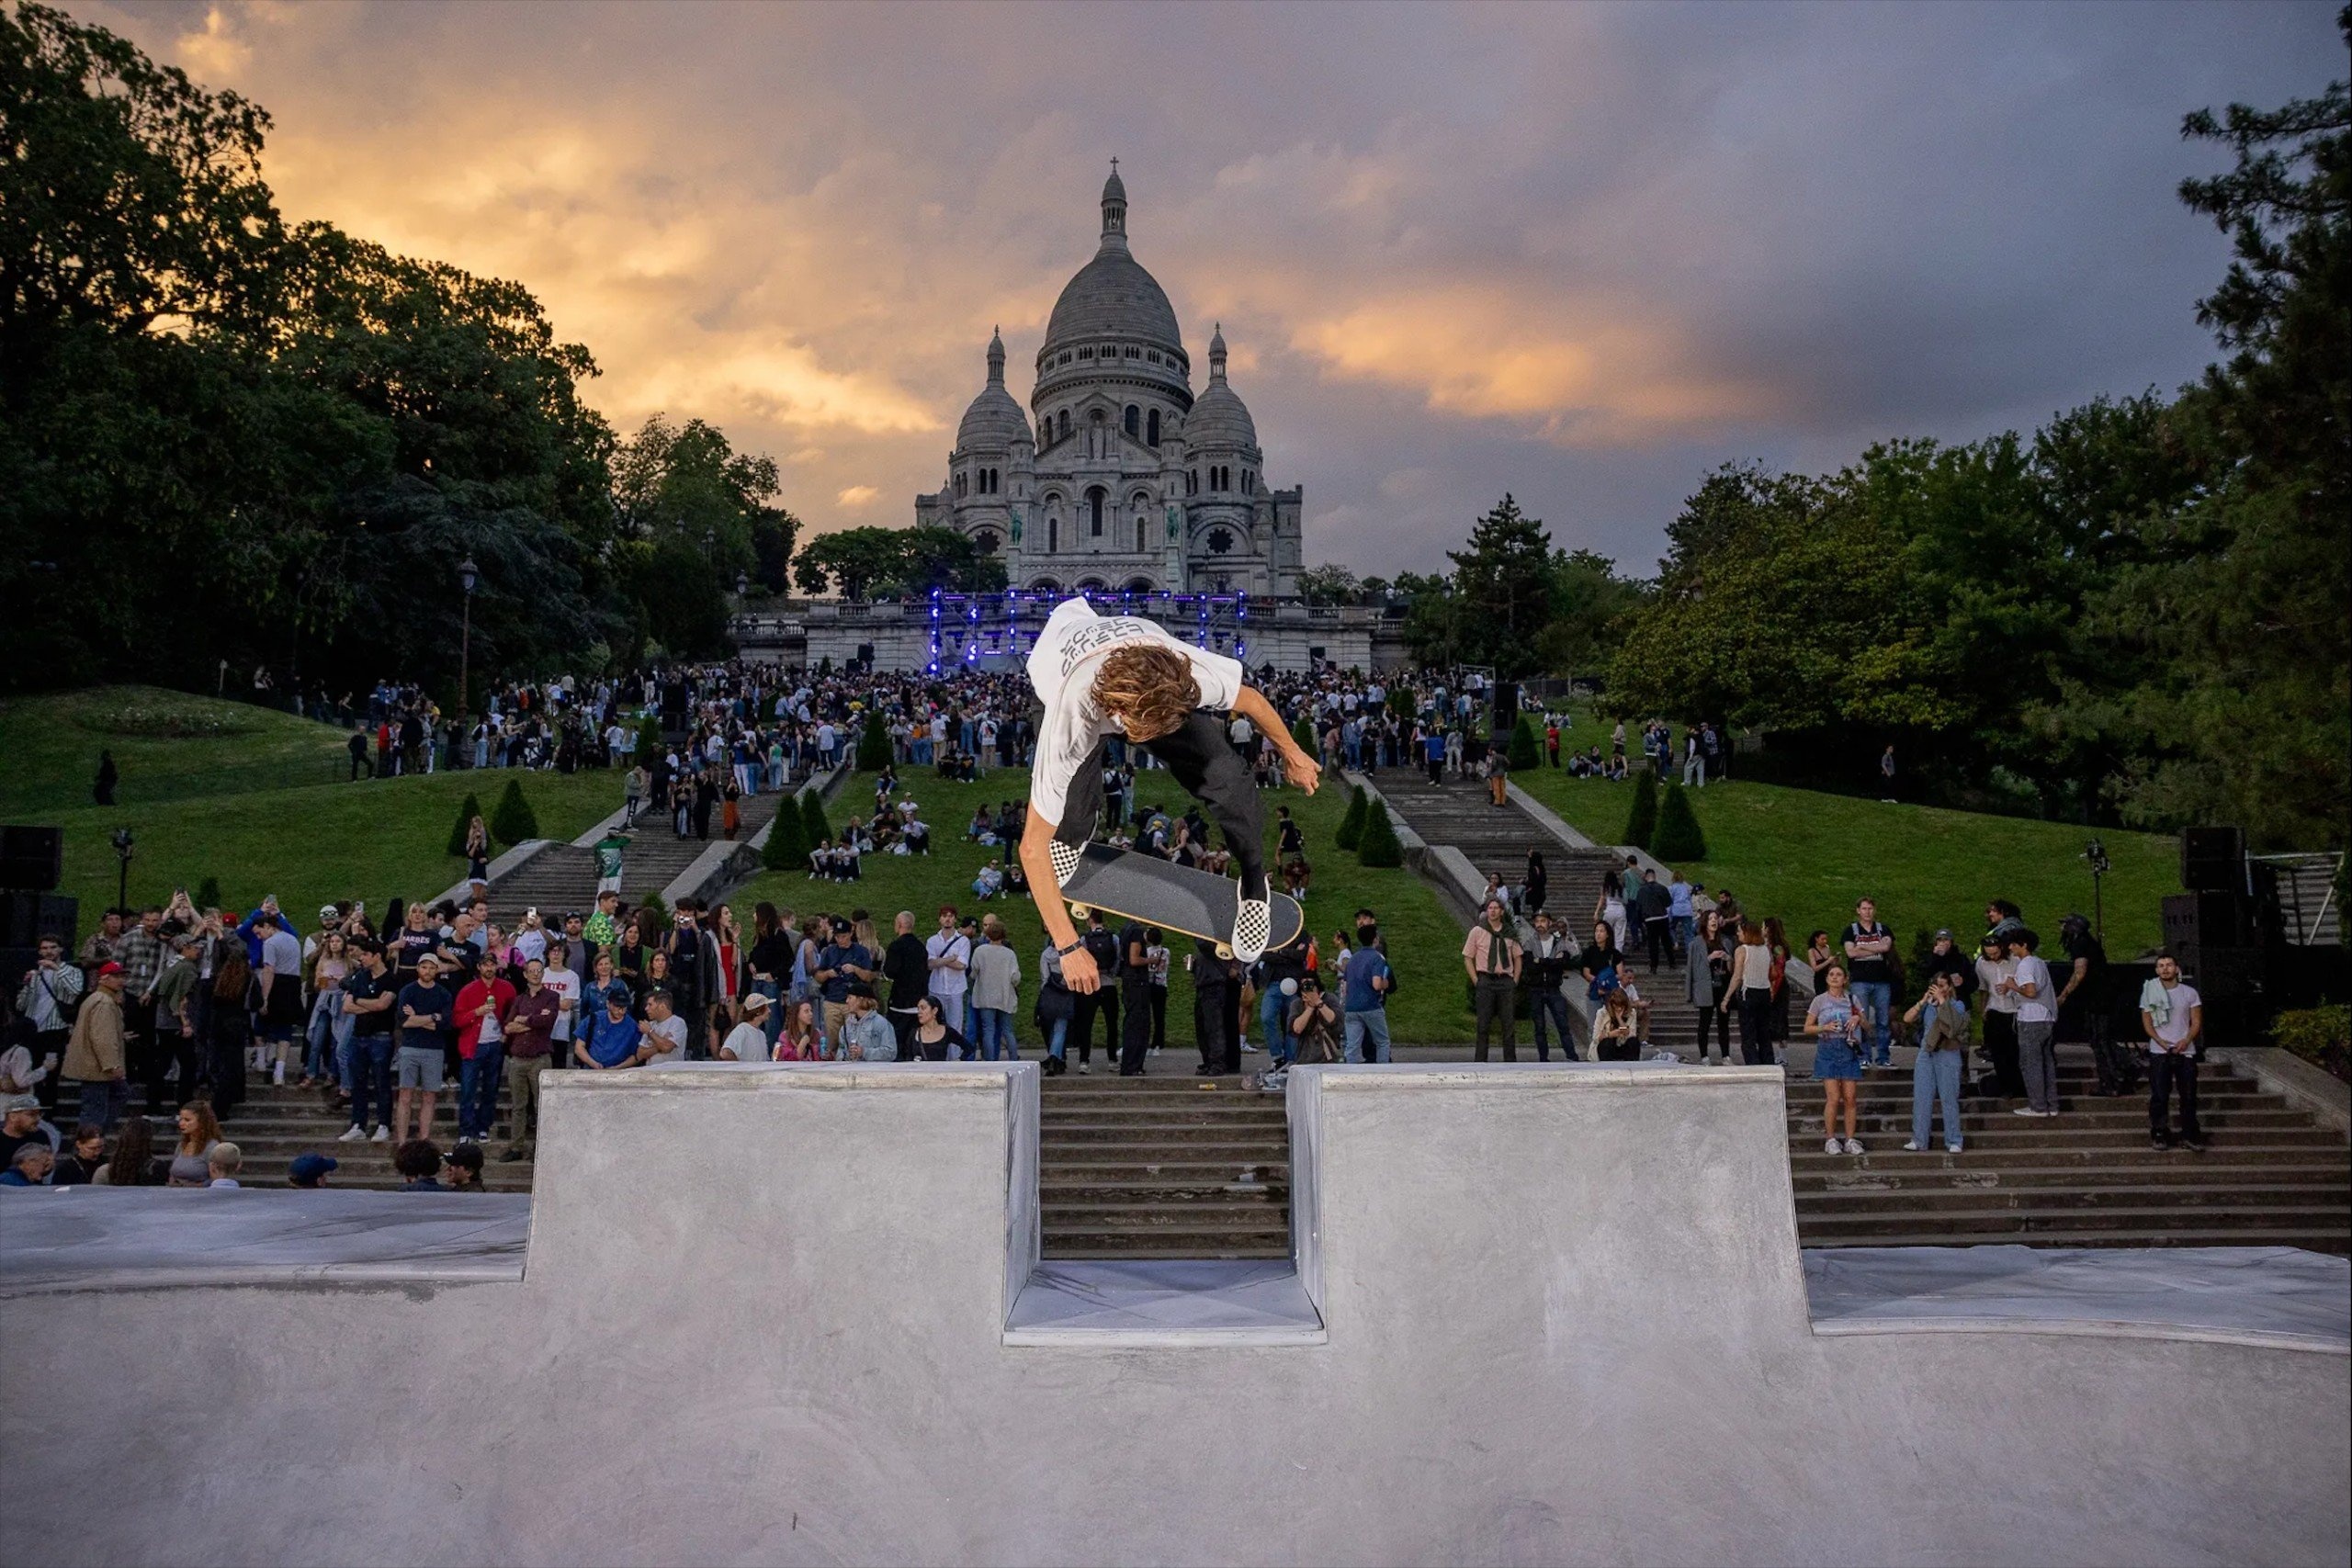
(1522, 753)
(874, 745)
(466, 815)
(1641, 823)
(1678, 838)
(1379, 845)
(514, 822)
(787, 846)
(812, 818)
(1350, 831)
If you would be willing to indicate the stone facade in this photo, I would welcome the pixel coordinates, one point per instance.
(1118, 478)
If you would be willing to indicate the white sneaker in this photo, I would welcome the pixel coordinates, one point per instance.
(1253, 924)
(1829, 1146)
(1911, 1149)
(279, 1077)
(2024, 1110)
(382, 1135)
(1853, 1146)
(353, 1136)
(1065, 858)
(1246, 1046)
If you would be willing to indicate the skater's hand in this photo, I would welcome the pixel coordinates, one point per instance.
(1304, 770)
(1080, 974)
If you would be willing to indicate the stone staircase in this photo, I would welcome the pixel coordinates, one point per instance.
(2271, 1175)
(1162, 1167)
(274, 1125)
(562, 877)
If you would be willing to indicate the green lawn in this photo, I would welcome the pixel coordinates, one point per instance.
(1807, 857)
(1423, 938)
(167, 746)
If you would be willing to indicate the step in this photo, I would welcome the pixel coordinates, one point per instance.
(2078, 1196)
(2053, 1135)
(2066, 1122)
(1161, 1155)
(1122, 1191)
(2152, 1219)
(2316, 1239)
(2185, 1171)
(1165, 1133)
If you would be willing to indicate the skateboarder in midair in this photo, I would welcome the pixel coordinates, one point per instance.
(1104, 675)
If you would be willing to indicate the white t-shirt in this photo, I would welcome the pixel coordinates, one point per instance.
(566, 986)
(2173, 1028)
(1061, 672)
(2042, 1005)
(749, 1042)
(672, 1033)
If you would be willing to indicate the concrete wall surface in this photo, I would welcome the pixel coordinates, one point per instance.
(762, 1317)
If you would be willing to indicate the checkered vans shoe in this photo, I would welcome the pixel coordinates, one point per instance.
(1253, 923)
(1066, 858)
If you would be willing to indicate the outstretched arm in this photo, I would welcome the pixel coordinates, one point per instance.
(1302, 769)
(1036, 858)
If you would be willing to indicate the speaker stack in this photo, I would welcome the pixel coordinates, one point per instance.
(2216, 932)
(32, 863)
(1506, 718)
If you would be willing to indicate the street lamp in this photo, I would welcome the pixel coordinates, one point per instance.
(468, 575)
(742, 585)
(122, 848)
(2095, 853)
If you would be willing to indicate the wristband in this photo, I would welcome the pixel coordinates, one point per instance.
(1066, 952)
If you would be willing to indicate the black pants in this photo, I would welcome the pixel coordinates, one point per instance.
(2001, 1050)
(168, 1048)
(1159, 1016)
(2118, 1063)
(1755, 1004)
(1088, 1005)
(1204, 762)
(2166, 1072)
(1550, 1004)
(1658, 930)
(1437, 770)
(1220, 1043)
(1719, 1021)
(1135, 1025)
(1498, 999)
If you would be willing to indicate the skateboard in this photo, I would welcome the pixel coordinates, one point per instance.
(1143, 887)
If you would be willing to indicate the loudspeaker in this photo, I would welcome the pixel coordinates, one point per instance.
(25, 916)
(32, 859)
(2213, 860)
(1506, 709)
(2208, 921)
(2223, 974)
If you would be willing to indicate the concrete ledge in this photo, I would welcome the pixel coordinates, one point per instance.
(1163, 1304)
(1549, 820)
(1410, 840)
(2325, 1096)
(512, 860)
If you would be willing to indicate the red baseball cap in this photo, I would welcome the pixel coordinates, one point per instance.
(110, 967)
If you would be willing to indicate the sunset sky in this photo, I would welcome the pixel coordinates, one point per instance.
(1580, 253)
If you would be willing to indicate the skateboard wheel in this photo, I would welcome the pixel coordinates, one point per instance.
(1225, 950)
(1079, 912)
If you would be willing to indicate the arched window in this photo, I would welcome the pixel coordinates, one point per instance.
(1139, 585)
(1143, 536)
(960, 482)
(985, 542)
(1152, 426)
(1086, 354)
(1064, 417)
(1045, 585)
(1220, 541)
(1193, 482)
(1094, 511)
(1052, 535)
(1133, 353)
(1249, 482)
(1133, 421)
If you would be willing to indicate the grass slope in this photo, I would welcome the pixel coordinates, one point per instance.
(1807, 857)
(1423, 938)
(167, 746)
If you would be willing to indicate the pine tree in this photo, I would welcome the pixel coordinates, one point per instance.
(1350, 831)
(208, 893)
(514, 822)
(1379, 845)
(1678, 838)
(649, 737)
(1303, 733)
(873, 745)
(787, 845)
(812, 818)
(1523, 754)
(466, 815)
(1642, 823)
(649, 905)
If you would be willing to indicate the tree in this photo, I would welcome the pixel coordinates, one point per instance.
(208, 893)
(514, 822)
(1641, 822)
(1503, 590)
(1379, 847)
(1302, 729)
(1329, 584)
(941, 560)
(463, 826)
(1350, 828)
(1678, 838)
(873, 745)
(1523, 752)
(850, 561)
(787, 843)
(771, 539)
(812, 816)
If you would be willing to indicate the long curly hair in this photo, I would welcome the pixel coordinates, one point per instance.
(1148, 689)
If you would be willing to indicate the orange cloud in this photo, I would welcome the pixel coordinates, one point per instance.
(858, 496)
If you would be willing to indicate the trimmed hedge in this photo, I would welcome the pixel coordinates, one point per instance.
(466, 815)
(1678, 837)
(514, 822)
(1523, 753)
(1351, 830)
(1379, 847)
(873, 745)
(787, 846)
(812, 818)
(1641, 823)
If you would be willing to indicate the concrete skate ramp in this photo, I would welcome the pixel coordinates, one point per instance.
(762, 1319)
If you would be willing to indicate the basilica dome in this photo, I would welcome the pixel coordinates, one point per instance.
(1219, 420)
(994, 421)
(1112, 295)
